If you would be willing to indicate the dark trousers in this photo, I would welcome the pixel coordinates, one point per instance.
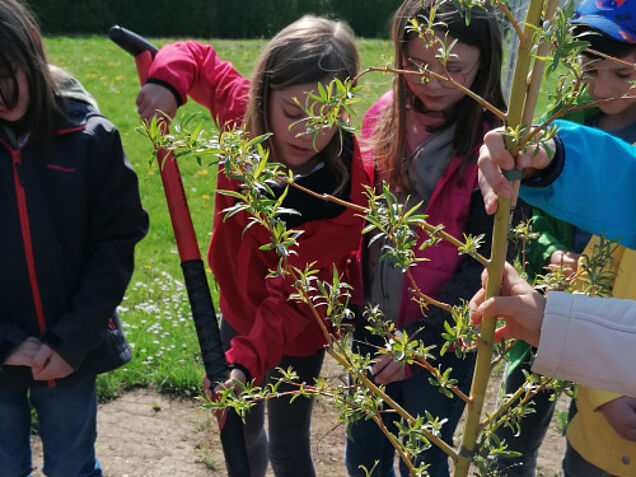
(367, 444)
(533, 427)
(287, 443)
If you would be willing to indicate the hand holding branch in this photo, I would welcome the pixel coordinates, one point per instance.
(493, 158)
(234, 380)
(519, 305)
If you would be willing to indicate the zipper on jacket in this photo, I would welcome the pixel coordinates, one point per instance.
(26, 238)
(28, 244)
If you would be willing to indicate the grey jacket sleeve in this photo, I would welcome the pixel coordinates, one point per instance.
(589, 340)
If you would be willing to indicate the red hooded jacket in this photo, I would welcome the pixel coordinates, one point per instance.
(259, 309)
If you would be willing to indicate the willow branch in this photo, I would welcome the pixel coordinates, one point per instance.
(523, 41)
(395, 443)
(425, 298)
(505, 406)
(431, 229)
(372, 387)
(447, 79)
(327, 197)
(537, 70)
(563, 112)
(423, 363)
(611, 58)
(423, 224)
(509, 346)
(499, 248)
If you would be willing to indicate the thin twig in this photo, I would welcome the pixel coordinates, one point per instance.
(506, 405)
(523, 41)
(423, 363)
(372, 387)
(509, 346)
(431, 75)
(431, 229)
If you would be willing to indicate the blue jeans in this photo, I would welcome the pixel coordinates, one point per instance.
(368, 444)
(68, 428)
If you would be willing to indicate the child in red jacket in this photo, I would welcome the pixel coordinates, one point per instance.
(260, 326)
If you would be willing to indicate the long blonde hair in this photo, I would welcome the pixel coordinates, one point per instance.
(388, 138)
(309, 50)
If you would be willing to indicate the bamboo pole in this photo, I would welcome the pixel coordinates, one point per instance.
(499, 249)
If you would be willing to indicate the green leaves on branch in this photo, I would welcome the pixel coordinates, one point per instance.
(329, 107)
(390, 219)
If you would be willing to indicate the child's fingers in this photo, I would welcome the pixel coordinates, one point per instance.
(475, 302)
(41, 358)
(381, 362)
(484, 278)
(495, 148)
(492, 183)
(393, 371)
(219, 388)
(506, 306)
(55, 368)
(207, 386)
(502, 334)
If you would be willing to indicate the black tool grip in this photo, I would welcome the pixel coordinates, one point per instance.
(214, 362)
(205, 320)
(231, 427)
(131, 41)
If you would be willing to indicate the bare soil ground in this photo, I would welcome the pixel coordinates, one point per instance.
(144, 433)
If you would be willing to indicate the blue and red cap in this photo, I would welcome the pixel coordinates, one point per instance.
(615, 18)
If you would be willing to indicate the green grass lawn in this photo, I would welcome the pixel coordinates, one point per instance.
(155, 311)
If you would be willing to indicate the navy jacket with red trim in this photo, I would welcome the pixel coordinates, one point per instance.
(69, 222)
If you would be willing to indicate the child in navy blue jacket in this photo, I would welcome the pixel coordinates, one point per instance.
(70, 218)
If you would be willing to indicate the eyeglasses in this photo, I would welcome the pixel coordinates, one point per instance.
(458, 74)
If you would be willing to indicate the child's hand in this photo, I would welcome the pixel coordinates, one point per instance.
(25, 352)
(154, 99)
(519, 304)
(568, 260)
(386, 370)
(621, 414)
(235, 375)
(47, 364)
(493, 157)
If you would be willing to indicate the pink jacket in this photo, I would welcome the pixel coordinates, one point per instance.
(449, 205)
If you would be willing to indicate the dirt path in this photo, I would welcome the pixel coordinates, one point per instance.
(145, 434)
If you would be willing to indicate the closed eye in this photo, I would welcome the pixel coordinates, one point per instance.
(293, 113)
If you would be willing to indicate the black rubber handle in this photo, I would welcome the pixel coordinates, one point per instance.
(214, 361)
(232, 438)
(130, 41)
(205, 320)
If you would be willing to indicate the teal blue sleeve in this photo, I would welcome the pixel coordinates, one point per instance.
(596, 189)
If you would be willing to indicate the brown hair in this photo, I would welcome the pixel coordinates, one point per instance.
(482, 32)
(309, 50)
(21, 47)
